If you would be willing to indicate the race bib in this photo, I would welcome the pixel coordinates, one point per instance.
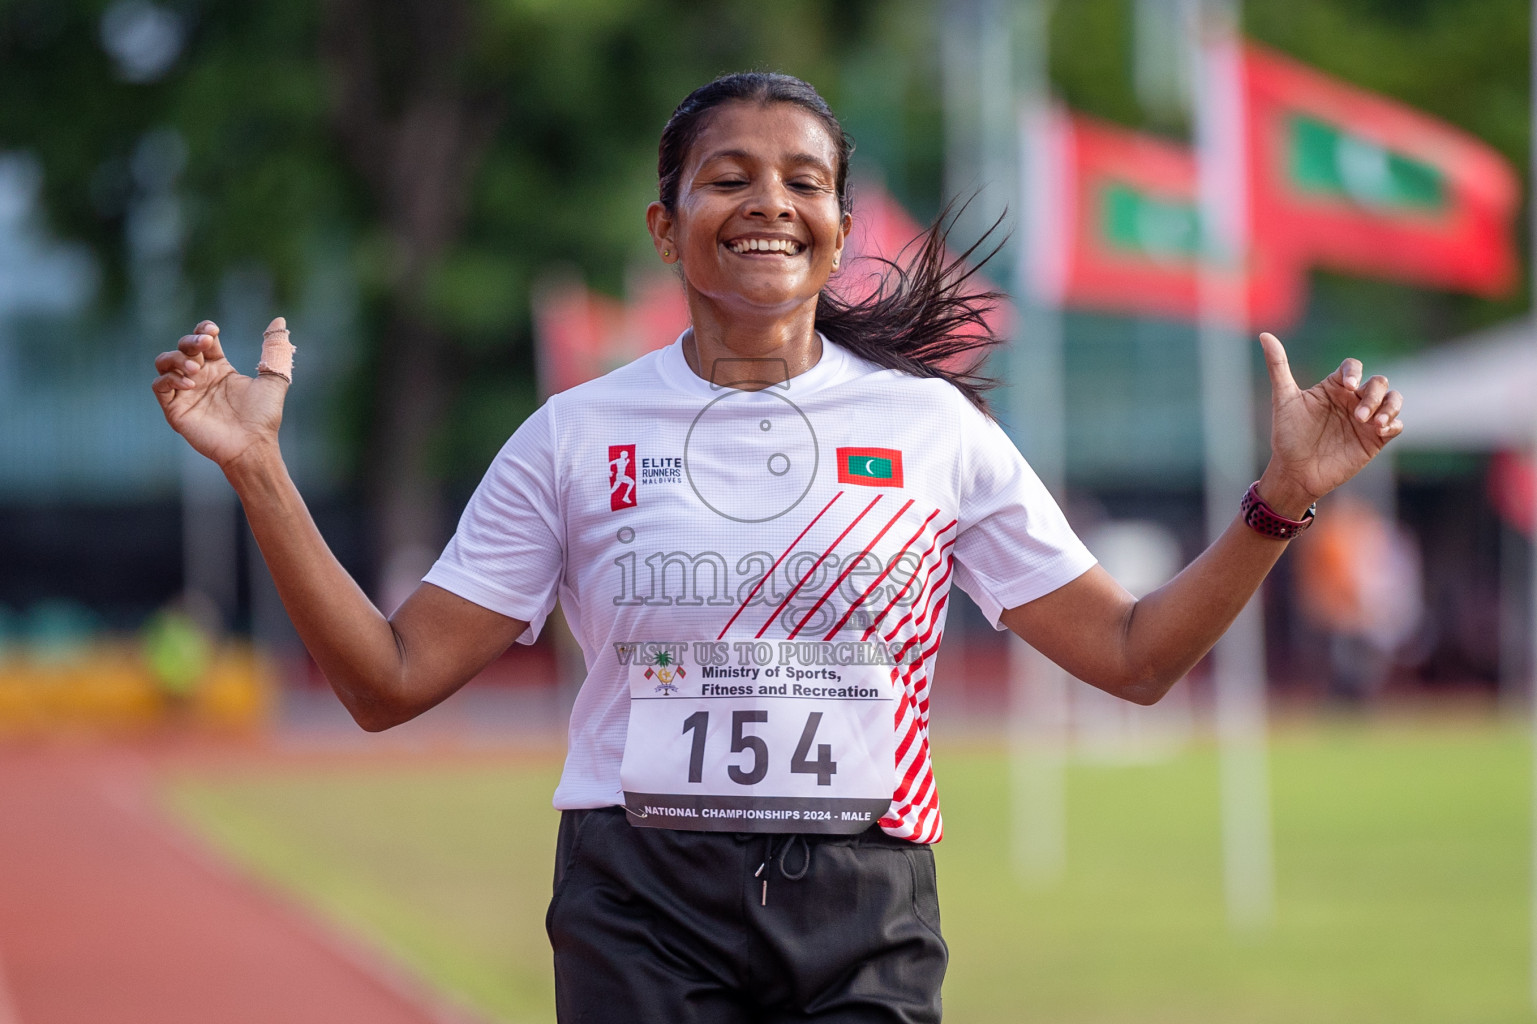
(759, 736)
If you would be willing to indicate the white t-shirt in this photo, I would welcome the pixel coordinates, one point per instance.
(840, 505)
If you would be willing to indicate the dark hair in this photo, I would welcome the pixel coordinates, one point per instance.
(925, 317)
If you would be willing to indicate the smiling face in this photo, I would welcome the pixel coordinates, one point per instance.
(756, 226)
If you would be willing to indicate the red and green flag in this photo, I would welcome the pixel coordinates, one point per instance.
(870, 467)
(1338, 178)
(1122, 228)
(1118, 220)
(1343, 178)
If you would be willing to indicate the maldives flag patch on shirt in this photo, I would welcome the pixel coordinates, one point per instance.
(870, 467)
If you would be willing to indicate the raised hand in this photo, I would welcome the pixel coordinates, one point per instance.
(221, 412)
(1321, 437)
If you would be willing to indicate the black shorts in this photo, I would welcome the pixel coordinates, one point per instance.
(673, 927)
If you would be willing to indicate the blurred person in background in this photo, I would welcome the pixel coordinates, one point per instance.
(1358, 577)
(178, 644)
(657, 916)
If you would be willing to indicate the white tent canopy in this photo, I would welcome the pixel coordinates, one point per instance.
(1477, 392)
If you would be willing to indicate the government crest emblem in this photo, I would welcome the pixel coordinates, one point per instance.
(664, 671)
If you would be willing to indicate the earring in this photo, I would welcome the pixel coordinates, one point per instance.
(666, 253)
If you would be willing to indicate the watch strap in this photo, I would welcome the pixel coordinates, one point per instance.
(1261, 518)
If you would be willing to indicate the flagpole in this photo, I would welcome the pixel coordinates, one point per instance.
(1011, 67)
(1038, 687)
(1227, 415)
(960, 42)
(1007, 46)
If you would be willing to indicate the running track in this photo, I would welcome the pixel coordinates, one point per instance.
(110, 915)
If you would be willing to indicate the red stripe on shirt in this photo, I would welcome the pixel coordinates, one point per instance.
(848, 568)
(814, 565)
(884, 573)
(785, 554)
(903, 589)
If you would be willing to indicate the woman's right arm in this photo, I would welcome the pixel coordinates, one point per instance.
(385, 670)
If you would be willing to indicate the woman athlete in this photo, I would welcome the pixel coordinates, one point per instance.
(753, 533)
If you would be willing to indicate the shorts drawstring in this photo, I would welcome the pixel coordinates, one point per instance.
(781, 844)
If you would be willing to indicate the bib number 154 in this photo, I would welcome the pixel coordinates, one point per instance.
(753, 768)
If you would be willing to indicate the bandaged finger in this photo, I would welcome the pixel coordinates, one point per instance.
(277, 351)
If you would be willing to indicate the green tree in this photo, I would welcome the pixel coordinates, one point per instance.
(459, 145)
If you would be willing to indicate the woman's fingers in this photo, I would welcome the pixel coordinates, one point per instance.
(168, 383)
(178, 368)
(208, 329)
(175, 379)
(1386, 420)
(195, 348)
(176, 372)
(1281, 380)
(202, 344)
(165, 362)
(1369, 397)
(193, 352)
(1348, 375)
(187, 359)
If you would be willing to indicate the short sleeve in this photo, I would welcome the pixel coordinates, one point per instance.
(1014, 544)
(509, 550)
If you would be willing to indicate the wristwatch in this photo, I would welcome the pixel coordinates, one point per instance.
(1261, 518)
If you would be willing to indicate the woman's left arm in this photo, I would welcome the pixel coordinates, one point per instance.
(1137, 649)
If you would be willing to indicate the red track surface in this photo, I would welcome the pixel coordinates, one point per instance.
(110, 915)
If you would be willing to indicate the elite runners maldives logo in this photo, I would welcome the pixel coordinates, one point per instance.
(870, 467)
(621, 476)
